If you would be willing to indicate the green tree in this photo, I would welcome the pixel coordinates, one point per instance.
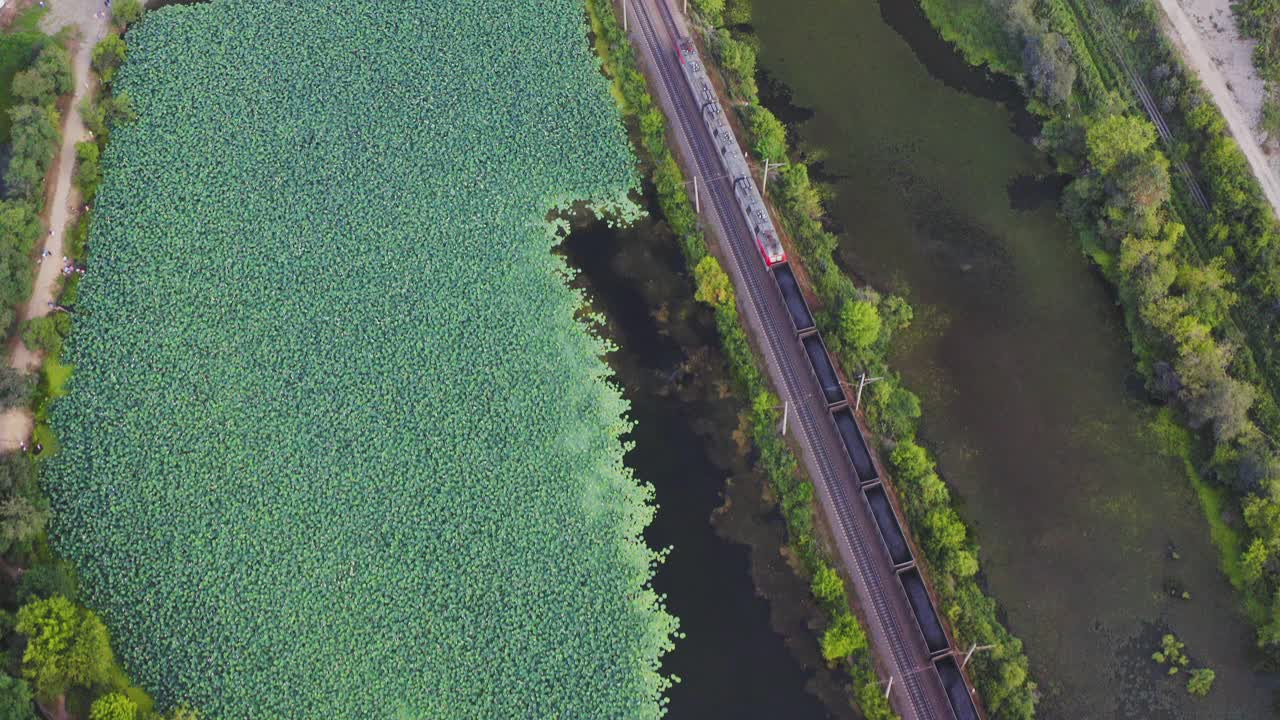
(796, 193)
(22, 519)
(911, 461)
(33, 87)
(828, 588)
(1047, 59)
(1200, 682)
(34, 134)
(843, 638)
(738, 61)
(1116, 137)
(15, 388)
(113, 706)
(945, 530)
(46, 579)
(892, 409)
(1254, 561)
(713, 286)
(108, 56)
(767, 133)
(712, 10)
(859, 324)
(960, 562)
(896, 313)
(16, 475)
(1136, 190)
(126, 12)
(88, 173)
(1223, 401)
(19, 225)
(46, 333)
(1208, 289)
(15, 699)
(54, 64)
(67, 647)
(737, 12)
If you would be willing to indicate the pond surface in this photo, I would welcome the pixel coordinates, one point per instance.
(1020, 358)
(742, 655)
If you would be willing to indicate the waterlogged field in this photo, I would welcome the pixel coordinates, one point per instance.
(335, 445)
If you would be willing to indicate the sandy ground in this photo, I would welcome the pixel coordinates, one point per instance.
(1205, 32)
(63, 201)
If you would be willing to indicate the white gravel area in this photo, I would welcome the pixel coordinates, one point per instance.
(1205, 33)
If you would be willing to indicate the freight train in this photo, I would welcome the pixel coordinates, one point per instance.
(866, 476)
(732, 160)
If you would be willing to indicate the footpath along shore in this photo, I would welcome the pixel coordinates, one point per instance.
(62, 206)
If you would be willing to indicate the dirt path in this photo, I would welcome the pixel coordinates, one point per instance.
(1230, 52)
(87, 15)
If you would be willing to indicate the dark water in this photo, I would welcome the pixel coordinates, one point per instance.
(743, 656)
(1020, 357)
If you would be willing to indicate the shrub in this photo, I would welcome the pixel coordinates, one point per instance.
(46, 579)
(859, 325)
(46, 333)
(1200, 682)
(108, 56)
(15, 699)
(113, 706)
(66, 647)
(126, 12)
(843, 638)
(828, 588)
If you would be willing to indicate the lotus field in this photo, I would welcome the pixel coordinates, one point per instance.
(336, 446)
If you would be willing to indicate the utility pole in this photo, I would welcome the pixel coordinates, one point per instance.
(888, 689)
(697, 200)
(786, 410)
(973, 649)
(764, 183)
(863, 382)
(624, 16)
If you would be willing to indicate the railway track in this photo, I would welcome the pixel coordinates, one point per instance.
(916, 688)
(1145, 98)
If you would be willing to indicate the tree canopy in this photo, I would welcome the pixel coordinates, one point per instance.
(15, 699)
(67, 646)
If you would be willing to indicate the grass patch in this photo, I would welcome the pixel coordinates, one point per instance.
(56, 375)
(28, 21)
(1175, 440)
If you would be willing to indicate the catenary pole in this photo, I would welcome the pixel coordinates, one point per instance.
(862, 383)
(974, 649)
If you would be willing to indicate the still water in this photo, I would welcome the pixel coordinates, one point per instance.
(747, 650)
(1020, 358)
